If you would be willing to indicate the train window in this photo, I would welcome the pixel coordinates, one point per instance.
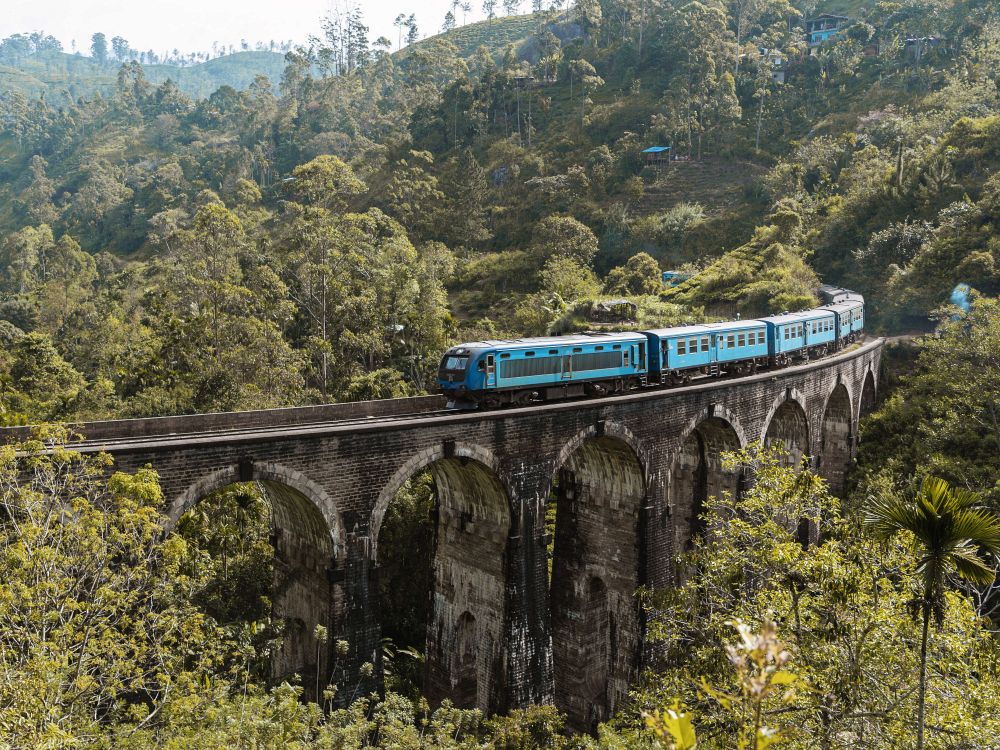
(505, 355)
(693, 345)
(617, 346)
(704, 343)
(681, 346)
(598, 348)
(730, 341)
(741, 340)
(529, 354)
(577, 348)
(553, 351)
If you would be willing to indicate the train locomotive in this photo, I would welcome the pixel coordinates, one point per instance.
(489, 374)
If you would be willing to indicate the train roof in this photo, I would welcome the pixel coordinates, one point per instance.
(797, 317)
(833, 294)
(693, 330)
(844, 306)
(574, 339)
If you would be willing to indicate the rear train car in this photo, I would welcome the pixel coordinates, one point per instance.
(799, 335)
(850, 315)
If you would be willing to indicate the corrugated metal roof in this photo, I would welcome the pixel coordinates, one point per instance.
(843, 306)
(798, 317)
(576, 339)
(732, 325)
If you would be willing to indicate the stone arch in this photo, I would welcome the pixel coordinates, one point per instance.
(270, 475)
(417, 464)
(836, 439)
(469, 571)
(788, 425)
(603, 428)
(696, 472)
(601, 491)
(308, 539)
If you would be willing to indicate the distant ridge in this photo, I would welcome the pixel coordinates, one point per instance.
(65, 77)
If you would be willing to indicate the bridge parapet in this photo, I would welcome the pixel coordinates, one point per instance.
(193, 424)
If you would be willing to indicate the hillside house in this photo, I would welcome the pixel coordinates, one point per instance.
(824, 28)
(656, 155)
(914, 48)
(776, 59)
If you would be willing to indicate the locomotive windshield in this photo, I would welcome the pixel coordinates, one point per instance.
(455, 362)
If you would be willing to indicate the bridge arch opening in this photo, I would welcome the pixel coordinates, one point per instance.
(268, 553)
(867, 403)
(442, 589)
(836, 438)
(789, 429)
(599, 492)
(697, 474)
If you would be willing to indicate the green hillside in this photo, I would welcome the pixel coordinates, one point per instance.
(495, 35)
(237, 70)
(63, 78)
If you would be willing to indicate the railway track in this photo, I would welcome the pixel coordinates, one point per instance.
(140, 436)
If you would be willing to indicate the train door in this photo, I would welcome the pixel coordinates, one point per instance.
(567, 367)
(491, 371)
(642, 356)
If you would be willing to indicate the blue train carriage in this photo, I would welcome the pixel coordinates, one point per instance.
(680, 353)
(492, 373)
(800, 335)
(850, 316)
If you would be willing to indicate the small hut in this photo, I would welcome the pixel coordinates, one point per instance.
(657, 155)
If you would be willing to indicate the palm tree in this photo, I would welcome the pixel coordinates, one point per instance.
(949, 530)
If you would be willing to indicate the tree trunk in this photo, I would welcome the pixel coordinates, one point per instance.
(760, 121)
(922, 688)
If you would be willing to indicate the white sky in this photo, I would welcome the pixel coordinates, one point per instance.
(192, 25)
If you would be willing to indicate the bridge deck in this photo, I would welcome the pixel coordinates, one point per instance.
(329, 419)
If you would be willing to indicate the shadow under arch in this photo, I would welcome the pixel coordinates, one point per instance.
(836, 438)
(866, 404)
(697, 473)
(595, 620)
(465, 638)
(307, 536)
(788, 426)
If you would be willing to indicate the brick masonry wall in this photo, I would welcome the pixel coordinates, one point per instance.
(495, 472)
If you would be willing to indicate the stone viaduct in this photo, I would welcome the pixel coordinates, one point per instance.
(628, 475)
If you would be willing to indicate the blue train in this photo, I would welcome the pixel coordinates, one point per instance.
(489, 374)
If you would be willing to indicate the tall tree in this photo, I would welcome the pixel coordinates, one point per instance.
(949, 529)
(99, 48)
(400, 24)
(412, 34)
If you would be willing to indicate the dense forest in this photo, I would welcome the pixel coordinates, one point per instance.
(321, 230)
